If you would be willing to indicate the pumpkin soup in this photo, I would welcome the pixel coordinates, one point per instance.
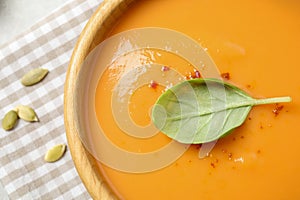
(255, 46)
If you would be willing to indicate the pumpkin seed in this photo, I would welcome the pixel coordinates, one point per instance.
(10, 120)
(34, 76)
(55, 153)
(26, 113)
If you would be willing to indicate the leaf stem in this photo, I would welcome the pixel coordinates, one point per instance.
(272, 100)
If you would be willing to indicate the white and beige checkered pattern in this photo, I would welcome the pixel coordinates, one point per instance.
(48, 44)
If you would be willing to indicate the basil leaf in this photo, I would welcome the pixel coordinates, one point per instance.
(203, 110)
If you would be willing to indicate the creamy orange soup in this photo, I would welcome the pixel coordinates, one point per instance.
(257, 44)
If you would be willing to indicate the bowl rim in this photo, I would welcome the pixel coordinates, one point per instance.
(84, 162)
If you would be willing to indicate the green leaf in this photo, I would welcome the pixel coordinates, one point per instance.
(203, 110)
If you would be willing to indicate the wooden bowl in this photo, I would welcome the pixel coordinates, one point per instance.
(228, 53)
(94, 32)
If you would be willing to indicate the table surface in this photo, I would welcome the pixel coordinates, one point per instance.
(17, 16)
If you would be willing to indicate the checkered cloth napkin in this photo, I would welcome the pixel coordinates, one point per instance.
(48, 44)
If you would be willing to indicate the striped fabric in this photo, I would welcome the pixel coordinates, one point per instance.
(48, 44)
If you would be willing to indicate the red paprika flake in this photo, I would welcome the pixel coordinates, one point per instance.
(212, 165)
(153, 84)
(165, 68)
(225, 76)
(277, 109)
(197, 74)
(192, 75)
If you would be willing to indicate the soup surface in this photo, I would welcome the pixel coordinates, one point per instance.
(257, 44)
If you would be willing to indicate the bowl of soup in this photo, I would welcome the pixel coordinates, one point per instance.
(132, 51)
